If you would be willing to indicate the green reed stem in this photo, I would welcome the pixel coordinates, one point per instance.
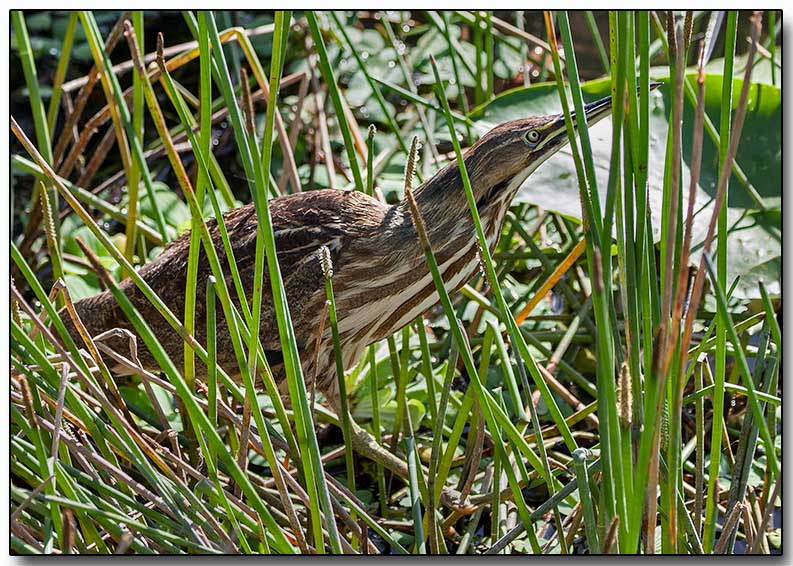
(585, 497)
(414, 471)
(584, 166)
(509, 374)
(60, 72)
(212, 370)
(327, 270)
(205, 136)
(601, 49)
(416, 99)
(34, 92)
(133, 184)
(377, 428)
(477, 29)
(489, 41)
(776, 331)
(426, 367)
(44, 142)
(435, 452)
(633, 192)
(711, 511)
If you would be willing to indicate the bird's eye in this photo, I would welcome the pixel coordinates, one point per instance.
(532, 137)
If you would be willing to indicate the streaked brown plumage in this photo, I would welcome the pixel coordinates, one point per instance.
(381, 282)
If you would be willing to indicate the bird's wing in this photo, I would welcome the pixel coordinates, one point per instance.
(302, 224)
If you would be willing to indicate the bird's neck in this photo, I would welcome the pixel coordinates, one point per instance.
(444, 207)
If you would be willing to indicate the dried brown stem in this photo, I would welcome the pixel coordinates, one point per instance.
(721, 188)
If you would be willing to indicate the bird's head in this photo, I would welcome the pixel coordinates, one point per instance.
(503, 158)
(499, 163)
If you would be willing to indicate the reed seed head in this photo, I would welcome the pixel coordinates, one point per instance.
(410, 167)
(327, 263)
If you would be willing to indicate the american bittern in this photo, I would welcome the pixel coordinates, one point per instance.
(381, 282)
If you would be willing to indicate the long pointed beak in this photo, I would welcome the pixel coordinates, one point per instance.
(597, 110)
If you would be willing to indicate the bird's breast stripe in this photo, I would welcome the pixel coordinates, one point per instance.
(453, 275)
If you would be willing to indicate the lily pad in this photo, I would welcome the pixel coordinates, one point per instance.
(754, 240)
